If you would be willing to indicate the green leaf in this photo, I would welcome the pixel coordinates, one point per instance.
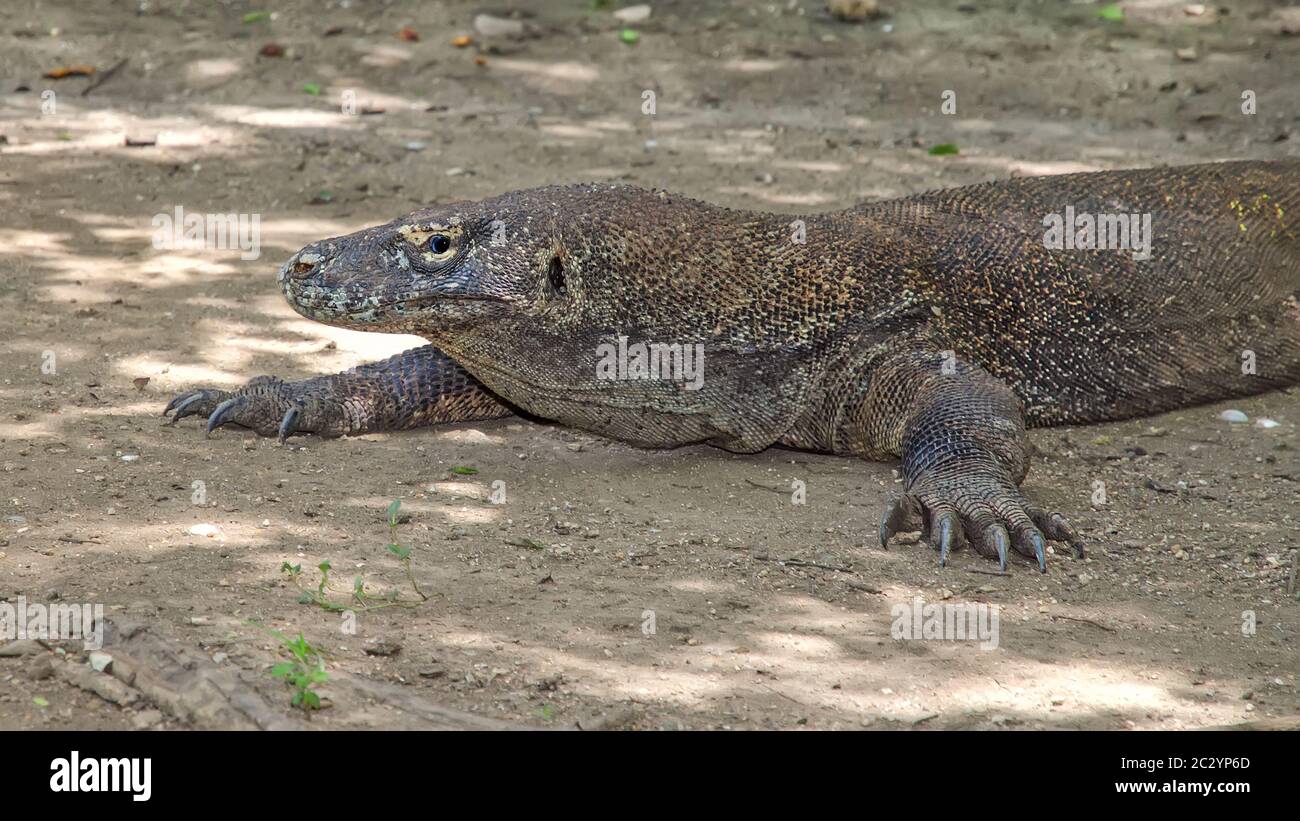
(399, 551)
(305, 598)
(282, 670)
(312, 89)
(943, 149)
(40, 702)
(311, 700)
(256, 16)
(1111, 11)
(393, 507)
(464, 471)
(629, 36)
(324, 566)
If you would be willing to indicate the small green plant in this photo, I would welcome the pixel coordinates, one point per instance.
(361, 600)
(303, 673)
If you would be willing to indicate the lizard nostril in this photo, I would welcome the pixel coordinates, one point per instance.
(303, 268)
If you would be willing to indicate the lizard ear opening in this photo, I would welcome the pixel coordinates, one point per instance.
(555, 275)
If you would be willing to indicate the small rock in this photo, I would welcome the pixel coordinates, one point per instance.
(145, 719)
(383, 648)
(100, 661)
(1187, 55)
(22, 647)
(634, 14)
(1234, 416)
(854, 11)
(15, 520)
(40, 668)
(489, 26)
(1265, 423)
(207, 531)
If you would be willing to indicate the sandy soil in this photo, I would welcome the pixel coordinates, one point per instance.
(538, 604)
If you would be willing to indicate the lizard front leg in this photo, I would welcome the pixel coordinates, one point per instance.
(961, 435)
(421, 386)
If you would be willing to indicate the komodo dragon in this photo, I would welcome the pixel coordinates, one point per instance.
(934, 328)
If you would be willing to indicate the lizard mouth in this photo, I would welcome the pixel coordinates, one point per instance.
(360, 310)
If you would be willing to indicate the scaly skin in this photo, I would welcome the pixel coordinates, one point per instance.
(934, 328)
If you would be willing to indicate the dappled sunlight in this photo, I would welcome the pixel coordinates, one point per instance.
(703, 586)
(459, 513)
(222, 68)
(668, 584)
(754, 66)
(563, 78)
(798, 646)
(771, 195)
(471, 436)
(78, 131)
(285, 117)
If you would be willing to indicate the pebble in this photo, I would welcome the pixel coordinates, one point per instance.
(854, 10)
(634, 14)
(145, 719)
(1266, 423)
(1234, 416)
(208, 531)
(489, 26)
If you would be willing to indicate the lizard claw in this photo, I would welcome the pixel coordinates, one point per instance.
(899, 511)
(996, 535)
(268, 406)
(218, 416)
(185, 408)
(289, 423)
(986, 512)
(194, 403)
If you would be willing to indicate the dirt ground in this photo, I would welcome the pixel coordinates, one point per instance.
(766, 613)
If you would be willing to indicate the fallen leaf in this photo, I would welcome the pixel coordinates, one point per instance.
(70, 71)
(409, 35)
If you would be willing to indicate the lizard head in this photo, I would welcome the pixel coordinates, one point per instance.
(438, 268)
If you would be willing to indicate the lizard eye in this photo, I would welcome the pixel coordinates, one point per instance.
(439, 243)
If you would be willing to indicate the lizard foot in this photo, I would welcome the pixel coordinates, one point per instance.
(266, 404)
(988, 513)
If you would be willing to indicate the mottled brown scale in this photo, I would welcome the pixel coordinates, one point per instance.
(835, 344)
